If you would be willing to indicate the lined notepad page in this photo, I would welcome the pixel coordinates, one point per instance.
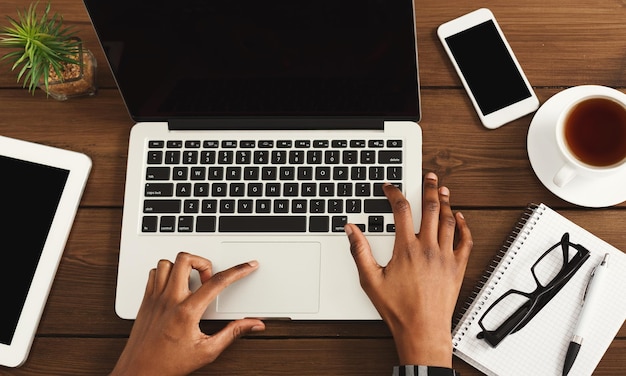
(539, 348)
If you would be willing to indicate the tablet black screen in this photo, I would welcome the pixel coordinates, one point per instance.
(30, 194)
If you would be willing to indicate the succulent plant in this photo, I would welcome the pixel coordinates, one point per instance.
(41, 46)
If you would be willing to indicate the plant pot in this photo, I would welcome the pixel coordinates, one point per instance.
(81, 81)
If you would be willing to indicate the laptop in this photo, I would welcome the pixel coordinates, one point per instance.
(262, 127)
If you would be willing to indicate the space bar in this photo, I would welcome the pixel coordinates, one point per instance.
(268, 223)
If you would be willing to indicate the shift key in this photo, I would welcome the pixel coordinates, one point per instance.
(161, 206)
(376, 206)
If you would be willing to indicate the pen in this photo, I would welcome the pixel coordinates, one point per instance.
(589, 301)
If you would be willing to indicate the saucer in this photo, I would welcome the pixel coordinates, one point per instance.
(546, 160)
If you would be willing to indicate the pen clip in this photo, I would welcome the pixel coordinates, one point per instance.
(593, 272)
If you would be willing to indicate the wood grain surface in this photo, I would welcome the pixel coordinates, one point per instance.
(559, 44)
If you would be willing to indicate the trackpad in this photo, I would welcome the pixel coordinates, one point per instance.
(287, 280)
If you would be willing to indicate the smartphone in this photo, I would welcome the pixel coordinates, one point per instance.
(489, 71)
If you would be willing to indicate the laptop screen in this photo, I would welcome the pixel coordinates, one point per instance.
(273, 58)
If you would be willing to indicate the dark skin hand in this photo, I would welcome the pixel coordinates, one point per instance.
(166, 338)
(416, 292)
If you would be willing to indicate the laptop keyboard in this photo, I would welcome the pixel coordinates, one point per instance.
(269, 186)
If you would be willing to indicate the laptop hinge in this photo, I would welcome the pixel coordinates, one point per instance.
(274, 124)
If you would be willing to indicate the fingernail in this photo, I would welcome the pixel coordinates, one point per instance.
(461, 215)
(431, 175)
(347, 229)
(444, 191)
(253, 263)
(257, 328)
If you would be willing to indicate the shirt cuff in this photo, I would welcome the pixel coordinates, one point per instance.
(414, 370)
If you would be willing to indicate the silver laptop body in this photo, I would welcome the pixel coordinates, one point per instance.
(260, 139)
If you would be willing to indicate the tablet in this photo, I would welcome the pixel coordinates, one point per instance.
(40, 192)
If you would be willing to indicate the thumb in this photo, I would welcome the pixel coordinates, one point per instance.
(233, 330)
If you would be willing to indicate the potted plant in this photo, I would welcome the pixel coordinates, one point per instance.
(48, 55)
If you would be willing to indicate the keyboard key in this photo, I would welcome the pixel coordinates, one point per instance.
(317, 206)
(338, 223)
(191, 206)
(227, 206)
(156, 144)
(172, 157)
(149, 223)
(198, 173)
(155, 157)
(376, 206)
(209, 206)
(179, 173)
(183, 189)
(201, 189)
(262, 223)
(375, 223)
(350, 157)
(207, 157)
(205, 224)
(283, 144)
(190, 157)
(281, 206)
(353, 206)
(161, 206)
(318, 224)
(245, 206)
(158, 173)
(378, 188)
(335, 206)
(167, 224)
(389, 156)
(185, 223)
(394, 173)
(368, 156)
(159, 190)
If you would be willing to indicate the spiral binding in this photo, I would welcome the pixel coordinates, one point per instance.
(494, 271)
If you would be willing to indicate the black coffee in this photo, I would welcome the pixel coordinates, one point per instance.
(595, 132)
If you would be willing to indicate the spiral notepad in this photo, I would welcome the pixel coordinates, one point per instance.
(539, 347)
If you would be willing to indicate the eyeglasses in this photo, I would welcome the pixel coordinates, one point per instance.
(514, 309)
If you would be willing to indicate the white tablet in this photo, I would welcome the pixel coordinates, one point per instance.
(40, 191)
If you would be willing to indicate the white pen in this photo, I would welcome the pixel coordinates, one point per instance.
(590, 301)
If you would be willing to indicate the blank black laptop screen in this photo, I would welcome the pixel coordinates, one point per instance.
(272, 58)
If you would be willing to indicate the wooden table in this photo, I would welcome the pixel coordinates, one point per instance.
(559, 44)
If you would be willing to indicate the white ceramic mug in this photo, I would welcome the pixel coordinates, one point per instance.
(591, 136)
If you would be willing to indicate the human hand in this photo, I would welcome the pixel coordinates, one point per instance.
(166, 338)
(416, 292)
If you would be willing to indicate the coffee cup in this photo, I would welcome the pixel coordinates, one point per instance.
(591, 136)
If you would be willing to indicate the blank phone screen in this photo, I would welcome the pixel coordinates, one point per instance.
(488, 68)
(31, 194)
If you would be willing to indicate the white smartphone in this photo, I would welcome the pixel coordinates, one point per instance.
(489, 71)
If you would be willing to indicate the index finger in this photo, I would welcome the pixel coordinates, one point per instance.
(179, 277)
(212, 288)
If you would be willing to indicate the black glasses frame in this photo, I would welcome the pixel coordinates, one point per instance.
(538, 298)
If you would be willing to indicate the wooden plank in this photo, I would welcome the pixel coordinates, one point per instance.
(252, 356)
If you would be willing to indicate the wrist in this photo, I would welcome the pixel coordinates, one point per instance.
(431, 350)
